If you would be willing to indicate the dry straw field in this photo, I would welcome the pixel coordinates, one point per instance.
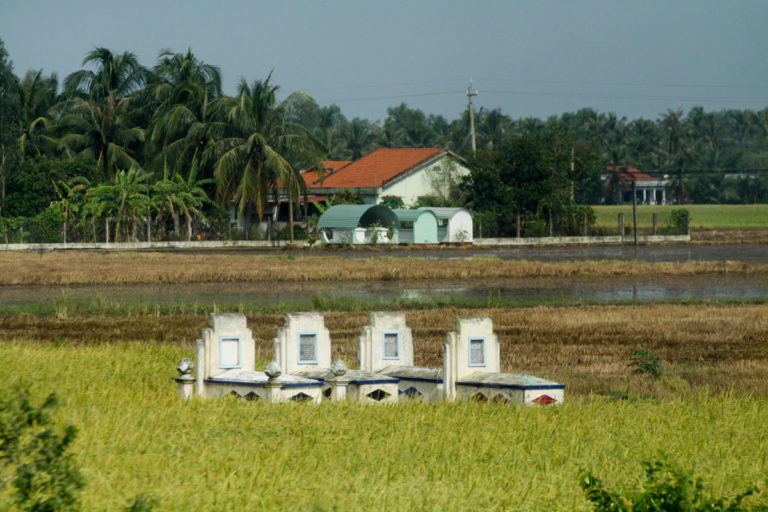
(56, 268)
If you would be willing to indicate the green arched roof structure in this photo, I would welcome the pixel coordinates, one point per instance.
(349, 216)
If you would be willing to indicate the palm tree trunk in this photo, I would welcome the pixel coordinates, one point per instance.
(2, 178)
(290, 215)
(247, 220)
(189, 225)
(175, 216)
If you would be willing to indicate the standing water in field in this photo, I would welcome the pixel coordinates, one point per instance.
(701, 287)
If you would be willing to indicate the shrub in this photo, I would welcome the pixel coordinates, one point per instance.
(35, 457)
(645, 363)
(676, 223)
(667, 488)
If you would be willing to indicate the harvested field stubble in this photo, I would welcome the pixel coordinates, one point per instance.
(717, 347)
(122, 268)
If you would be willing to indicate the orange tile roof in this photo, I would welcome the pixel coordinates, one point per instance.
(312, 174)
(629, 173)
(335, 165)
(379, 167)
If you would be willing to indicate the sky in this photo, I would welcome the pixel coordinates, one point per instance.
(533, 58)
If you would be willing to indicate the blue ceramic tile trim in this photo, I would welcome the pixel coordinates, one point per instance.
(511, 386)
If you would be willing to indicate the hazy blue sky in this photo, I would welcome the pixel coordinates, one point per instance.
(529, 58)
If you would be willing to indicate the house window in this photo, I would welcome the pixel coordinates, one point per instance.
(392, 345)
(477, 352)
(229, 353)
(308, 348)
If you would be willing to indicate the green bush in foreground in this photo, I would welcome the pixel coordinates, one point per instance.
(35, 457)
(667, 488)
(37, 461)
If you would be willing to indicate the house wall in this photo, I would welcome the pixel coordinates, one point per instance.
(422, 182)
(425, 229)
(459, 228)
(358, 236)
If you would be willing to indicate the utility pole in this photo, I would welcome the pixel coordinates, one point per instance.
(471, 93)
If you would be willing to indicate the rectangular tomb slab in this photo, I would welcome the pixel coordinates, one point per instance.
(385, 341)
(510, 388)
(255, 385)
(362, 386)
(302, 343)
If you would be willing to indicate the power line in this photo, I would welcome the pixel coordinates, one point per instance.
(630, 84)
(395, 96)
(376, 86)
(631, 97)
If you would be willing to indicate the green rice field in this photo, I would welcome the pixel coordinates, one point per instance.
(136, 437)
(703, 216)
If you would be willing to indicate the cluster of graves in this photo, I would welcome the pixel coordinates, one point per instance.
(302, 369)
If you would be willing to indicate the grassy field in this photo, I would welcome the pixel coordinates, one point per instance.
(135, 437)
(58, 268)
(703, 216)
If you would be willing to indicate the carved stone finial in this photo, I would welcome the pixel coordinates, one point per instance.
(185, 367)
(273, 370)
(339, 368)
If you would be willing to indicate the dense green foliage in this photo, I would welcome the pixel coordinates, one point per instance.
(116, 114)
(36, 458)
(538, 177)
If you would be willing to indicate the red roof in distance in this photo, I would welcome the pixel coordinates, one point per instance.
(629, 173)
(329, 167)
(378, 167)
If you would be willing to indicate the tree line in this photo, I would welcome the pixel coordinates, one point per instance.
(163, 145)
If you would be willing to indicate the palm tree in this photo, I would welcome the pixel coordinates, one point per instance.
(102, 131)
(71, 198)
(181, 196)
(359, 137)
(182, 88)
(116, 75)
(97, 117)
(35, 95)
(676, 150)
(251, 139)
(125, 198)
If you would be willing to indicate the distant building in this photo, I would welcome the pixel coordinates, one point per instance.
(408, 173)
(617, 186)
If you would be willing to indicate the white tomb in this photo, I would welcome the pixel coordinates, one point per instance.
(386, 347)
(303, 347)
(226, 355)
(471, 364)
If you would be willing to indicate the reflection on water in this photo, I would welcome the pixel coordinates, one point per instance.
(307, 295)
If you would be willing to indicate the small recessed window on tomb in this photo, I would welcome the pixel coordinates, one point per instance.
(477, 352)
(307, 348)
(391, 345)
(229, 356)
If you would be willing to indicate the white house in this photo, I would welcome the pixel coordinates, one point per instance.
(407, 173)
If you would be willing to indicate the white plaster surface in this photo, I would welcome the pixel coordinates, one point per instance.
(286, 343)
(227, 326)
(371, 342)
